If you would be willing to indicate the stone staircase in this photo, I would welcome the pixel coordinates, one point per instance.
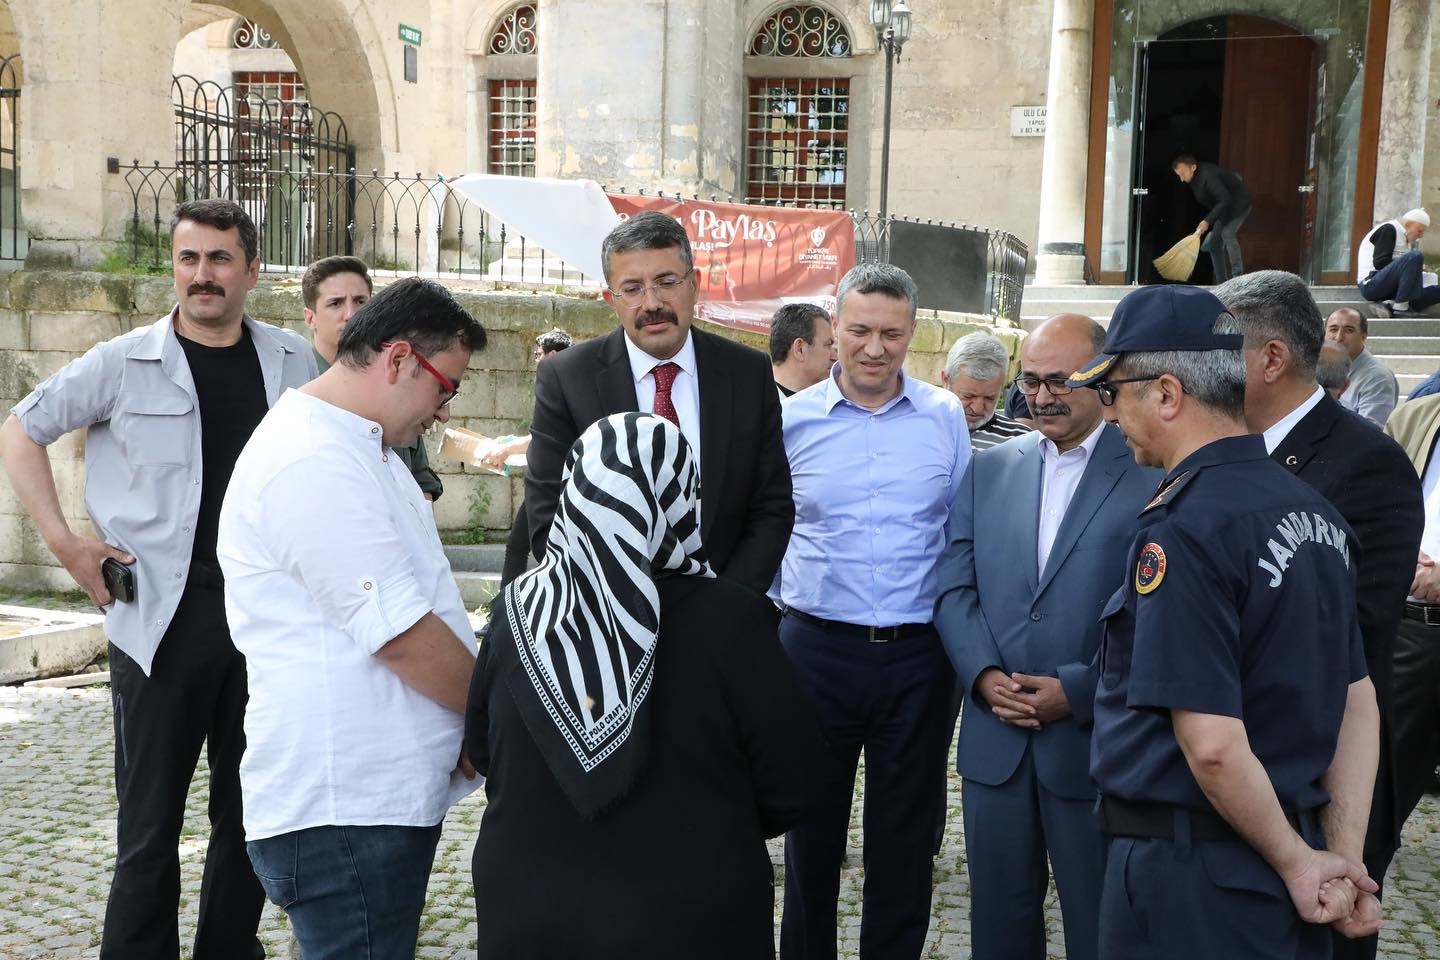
(1410, 347)
(477, 571)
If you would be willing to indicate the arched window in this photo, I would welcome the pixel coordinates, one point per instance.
(797, 128)
(510, 140)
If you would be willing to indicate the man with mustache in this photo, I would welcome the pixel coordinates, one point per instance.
(169, 407)
(721, 394)
(1063, 502)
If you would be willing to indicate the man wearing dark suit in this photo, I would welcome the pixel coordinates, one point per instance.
(1063, 503)
(721, 394)
(1365, 476)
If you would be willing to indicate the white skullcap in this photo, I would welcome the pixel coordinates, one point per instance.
(1417, 216)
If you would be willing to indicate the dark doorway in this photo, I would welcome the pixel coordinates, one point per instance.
(1235, 91)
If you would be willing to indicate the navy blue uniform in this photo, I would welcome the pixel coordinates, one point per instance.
(1240, 602)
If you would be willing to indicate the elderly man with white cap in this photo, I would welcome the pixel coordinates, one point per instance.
(1391, 266)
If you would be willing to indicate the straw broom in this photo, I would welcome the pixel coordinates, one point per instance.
(1178, 262)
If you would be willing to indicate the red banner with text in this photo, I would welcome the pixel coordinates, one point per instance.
(753, 259)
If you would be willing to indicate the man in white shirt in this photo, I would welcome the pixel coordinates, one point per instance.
(356, 640)
(1058, 509)
(1365, 477)
(1373, 391)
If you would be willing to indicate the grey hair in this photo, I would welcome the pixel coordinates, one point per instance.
(878, 278)
(1275, 305)
(980, 355)
(1334, 367)
(1216, 378)
(650, 230)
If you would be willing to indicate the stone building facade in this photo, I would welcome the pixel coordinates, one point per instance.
(784, 101)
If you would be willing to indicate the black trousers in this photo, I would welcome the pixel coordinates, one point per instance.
(892, 701)
(195, 696)
(1417, 711)
(517, 548)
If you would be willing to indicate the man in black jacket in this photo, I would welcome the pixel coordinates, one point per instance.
(1227, 201)
(720, 393)
(1364, 474)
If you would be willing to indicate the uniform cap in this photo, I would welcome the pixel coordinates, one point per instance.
(1162, 317)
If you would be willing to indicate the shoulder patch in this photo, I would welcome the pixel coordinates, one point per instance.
(1150, 568)
(1169, 491)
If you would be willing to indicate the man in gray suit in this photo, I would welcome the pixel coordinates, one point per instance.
(1038, 540)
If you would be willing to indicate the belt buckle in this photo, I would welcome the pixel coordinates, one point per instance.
(1431, 614)
(877, 634)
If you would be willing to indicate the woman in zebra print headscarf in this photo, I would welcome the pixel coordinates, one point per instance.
(605, 777)
(585, 619)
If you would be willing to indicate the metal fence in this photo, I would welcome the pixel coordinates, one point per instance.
(417, 224)
(14, 243)
(406, 224)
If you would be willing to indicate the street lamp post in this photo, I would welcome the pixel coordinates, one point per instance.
(892, 29)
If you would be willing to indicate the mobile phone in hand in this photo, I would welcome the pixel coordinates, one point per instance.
(119, 580)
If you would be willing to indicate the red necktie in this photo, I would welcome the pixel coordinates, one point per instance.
(664, 380)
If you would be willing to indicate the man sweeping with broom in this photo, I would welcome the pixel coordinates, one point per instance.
(1228, 201)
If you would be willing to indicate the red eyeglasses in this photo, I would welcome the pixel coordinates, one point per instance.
(451, 388)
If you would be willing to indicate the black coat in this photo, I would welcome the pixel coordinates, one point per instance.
(1222, 193)
(1367, 477)
(678, 867)
(746, 505)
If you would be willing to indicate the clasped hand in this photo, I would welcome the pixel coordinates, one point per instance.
(1023, 700)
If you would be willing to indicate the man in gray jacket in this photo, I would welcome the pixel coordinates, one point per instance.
(168, 407)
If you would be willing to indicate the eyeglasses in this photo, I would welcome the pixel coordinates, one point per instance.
(632, 294)
(452, 389)
(1031, 386)
(1108, 393)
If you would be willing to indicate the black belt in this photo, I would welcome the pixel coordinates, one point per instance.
(1426, 613)
(205, 574)
(902, 631)
(1156, 821)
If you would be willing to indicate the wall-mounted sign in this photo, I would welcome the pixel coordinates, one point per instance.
(1027, 121)
(409, 34)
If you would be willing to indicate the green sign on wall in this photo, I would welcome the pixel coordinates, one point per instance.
(409, 34)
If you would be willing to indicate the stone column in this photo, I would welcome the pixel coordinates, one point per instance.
(639, 93)
(1060, 258)
(1400, 168)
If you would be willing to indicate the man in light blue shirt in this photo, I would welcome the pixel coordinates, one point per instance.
(876, 459)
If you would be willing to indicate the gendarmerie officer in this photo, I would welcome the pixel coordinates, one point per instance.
(1236, 732)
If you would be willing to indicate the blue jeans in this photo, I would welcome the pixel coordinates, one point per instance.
(351, 893)
(1222, 243)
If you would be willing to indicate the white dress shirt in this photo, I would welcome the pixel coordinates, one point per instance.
(684, 392)
(1060, 477)
(1281, 428)
(1430, 487)
(330, 552)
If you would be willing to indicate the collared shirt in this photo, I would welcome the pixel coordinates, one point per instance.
(330, 552)
(1060, 477)
(143, 467)
(684, 392)
(1281, 428)
(1430, 487)
(415, 457)
(996, 430)
(1373, 391)
(873, 491)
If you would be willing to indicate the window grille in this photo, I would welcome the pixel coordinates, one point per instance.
(797, 141)
(515, 33)
(249, 35)
(802, 31)
(512, 127)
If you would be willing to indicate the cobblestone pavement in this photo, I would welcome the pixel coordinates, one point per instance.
(57, 820)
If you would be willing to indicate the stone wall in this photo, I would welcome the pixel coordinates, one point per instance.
(49, 318)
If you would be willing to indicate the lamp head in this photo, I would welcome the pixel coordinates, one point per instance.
(900, 22)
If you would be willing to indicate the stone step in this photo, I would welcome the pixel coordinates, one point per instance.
(1421, 365)
(476, 558)
(1406, 346)
(1408, 327)
(477, 589)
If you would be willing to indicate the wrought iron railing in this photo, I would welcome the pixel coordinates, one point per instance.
(417, 224)
(405, 224)
(14, 243)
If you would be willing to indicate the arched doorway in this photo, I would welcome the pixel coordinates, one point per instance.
(1239, 91)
